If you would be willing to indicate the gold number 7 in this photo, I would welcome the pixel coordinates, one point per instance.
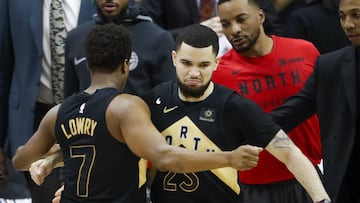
(87, 153)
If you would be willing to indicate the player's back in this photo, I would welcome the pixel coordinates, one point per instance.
(98, 168)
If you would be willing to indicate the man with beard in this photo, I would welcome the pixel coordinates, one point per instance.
(197, 114)
(267, 69)
(150, 58)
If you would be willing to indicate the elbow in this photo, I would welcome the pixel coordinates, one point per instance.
(170, 165)
(169, 160)
(18, 163)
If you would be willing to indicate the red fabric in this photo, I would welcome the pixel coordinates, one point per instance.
(269, 80)
(207, 9)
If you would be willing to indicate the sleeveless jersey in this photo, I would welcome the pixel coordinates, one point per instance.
(98, 168)
(200, 126)
(269, 80)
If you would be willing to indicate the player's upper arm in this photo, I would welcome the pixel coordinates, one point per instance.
(39, 144)
(136, 127)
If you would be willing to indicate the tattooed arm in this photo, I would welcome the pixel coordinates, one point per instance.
(287, 152)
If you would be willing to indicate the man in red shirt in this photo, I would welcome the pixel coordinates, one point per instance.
(267, 70)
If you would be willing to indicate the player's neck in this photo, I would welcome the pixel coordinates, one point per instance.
(102, 82)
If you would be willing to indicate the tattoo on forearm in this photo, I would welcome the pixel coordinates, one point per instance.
(281, 140)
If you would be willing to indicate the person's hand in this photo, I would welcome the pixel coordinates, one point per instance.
(245, 157)
(214, 24)
(3, 169)
(57, 197)
(40, 169)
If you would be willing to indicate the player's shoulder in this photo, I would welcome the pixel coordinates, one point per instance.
(125, 100)
(293, 42)
(221, 89)
(160, 90)
(82, 29)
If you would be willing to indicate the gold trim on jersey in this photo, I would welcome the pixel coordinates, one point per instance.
(142, 171)
(185, 133)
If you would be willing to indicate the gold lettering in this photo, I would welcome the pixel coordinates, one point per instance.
(93, 125)
(68, 136)
(80, 125)
(87, 126)
(72, 127)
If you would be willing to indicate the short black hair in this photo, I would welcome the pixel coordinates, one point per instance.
(107, 47)
(258, 3)
(199, 36)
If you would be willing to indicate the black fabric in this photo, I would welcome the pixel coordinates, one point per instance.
(222, 121)
(349, 191)
(109, 170)
(318, 25)
(281, 192)
(45, 191)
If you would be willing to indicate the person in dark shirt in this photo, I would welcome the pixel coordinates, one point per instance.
(150, 59)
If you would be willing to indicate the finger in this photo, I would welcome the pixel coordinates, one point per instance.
(59, 191)
(56, 200)
(37, 179)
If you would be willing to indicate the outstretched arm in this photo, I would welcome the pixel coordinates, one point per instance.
(286, 151)
(136, 129)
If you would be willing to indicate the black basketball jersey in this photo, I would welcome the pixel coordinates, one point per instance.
(202, 126)
(98, 168)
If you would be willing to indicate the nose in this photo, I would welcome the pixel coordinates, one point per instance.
(194, 72)
(235, 28)
(347, 23)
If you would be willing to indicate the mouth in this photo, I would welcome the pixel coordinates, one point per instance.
(193, 81)
(109, 7)
(238, 41)
(350, 36)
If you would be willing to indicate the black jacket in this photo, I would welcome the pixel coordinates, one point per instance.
(318, 25)
(150, 62)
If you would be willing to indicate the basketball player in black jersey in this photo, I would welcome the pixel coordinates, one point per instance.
(197, 114)
(102, 133)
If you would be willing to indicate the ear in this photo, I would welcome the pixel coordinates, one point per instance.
(173, 56)
(216, 62)
(125, 66)
(261, 16)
